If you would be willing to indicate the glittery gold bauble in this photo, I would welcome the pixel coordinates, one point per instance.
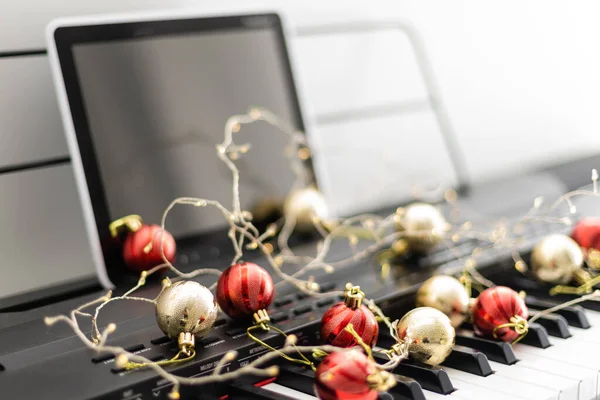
(305, 205)
(428, 335)
(423, 224)
(185, 307)
(555, 259)
(446, 294)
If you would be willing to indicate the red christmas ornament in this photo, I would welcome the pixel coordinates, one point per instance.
(500, 312)
(349, 311)
(587, 233)
(344, 376)
(243, 289)
(140, 255)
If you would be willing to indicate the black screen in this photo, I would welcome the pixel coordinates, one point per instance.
(156, 108)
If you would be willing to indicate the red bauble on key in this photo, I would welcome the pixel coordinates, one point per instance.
(343, 376)
(136, 244)
(587, 233)
(243, 289)
(499, 306)
(349, 311)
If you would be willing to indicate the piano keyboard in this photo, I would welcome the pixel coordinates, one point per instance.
(558, 359)
(563, 365)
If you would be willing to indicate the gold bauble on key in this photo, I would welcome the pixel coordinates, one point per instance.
(556, 259)
(185, 307)
(427, 335)
(446, 294)
(423, 224)
(305, 205)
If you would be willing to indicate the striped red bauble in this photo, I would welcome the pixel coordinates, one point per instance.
(344, 376)
(141, 250)
(243, 289)
(587, 233)
(496, 307)
(349, 311)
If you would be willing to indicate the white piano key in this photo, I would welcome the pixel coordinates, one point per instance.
(436, 396)
(277, 388)
(566, 386)
(569, 354)
(501, 386)
(587, 387)
(474, 391)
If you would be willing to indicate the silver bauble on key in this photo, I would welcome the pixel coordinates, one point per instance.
(447, 294)
(555, 259)
(423, 224)
(427, 335)
(185, 307)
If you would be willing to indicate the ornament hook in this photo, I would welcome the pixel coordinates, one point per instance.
(517, 324)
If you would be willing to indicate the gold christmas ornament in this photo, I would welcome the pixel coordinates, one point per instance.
(446, 294)
(423, 224)
(185, 310)
(305, 206)
(427, 334)
(556, 259)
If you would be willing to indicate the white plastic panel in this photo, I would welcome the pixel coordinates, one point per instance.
(358, 70)
(42, 235)
(30, 125)
(370, 164)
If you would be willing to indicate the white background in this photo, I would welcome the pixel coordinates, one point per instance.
(519, 78)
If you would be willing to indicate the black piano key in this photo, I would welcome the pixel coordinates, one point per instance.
(468, 360)
(109, 356)
(302, 309)
(278, 317)
(575, 315)
(239, 390)
(161, 340)
(282, 301)
(385, 340)
(434, 379)
(497, 351)
(556, 325)
(325, 302)
(537, 337)
(406, 388)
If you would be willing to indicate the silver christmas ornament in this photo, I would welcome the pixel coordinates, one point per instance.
(185, 307)
(556, 259)
(305, 206)
(423, 224)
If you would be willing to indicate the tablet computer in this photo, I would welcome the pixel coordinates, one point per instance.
(144, 103)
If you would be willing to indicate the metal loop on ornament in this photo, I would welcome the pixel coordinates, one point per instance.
(381, 381)
(517, 324)
(264, 326)
(188, 353)
(585, 288)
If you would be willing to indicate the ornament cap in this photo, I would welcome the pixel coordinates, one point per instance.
(593, 259)
(581, 276)
(353, 296)
(126, 224)
(186, 342)
(261, 317)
